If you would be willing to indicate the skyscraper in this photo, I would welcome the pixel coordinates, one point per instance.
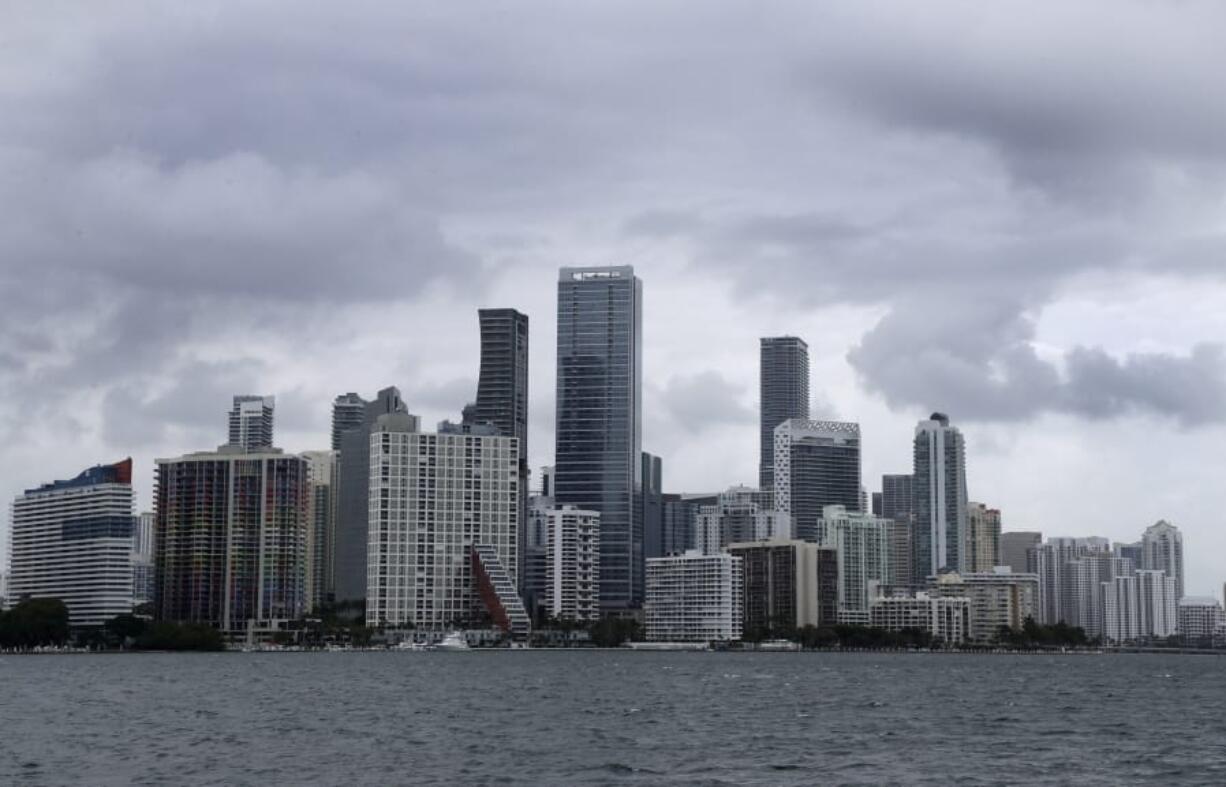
(142, 559)
(598, 462)
(251, 421)
(897, 500)
(817, 464)
(739, 515)
(939, 536)
(862, 544)
(321, 519)
(1162, 550)
(353, 502)
(348, 412)
(783, 394)
(1013, 549)
(230, 538)
(982, 539)
(443, 527)
(897, 497)
(651, 506)
(573, 564)
(72, 540)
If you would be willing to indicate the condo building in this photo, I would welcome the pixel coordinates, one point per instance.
(999, 599)
(142, 559)
(817, 464)
(861, 543)
(982, 538)
(739, 514)
(230, 534)
(783, 394)
(940, 499)
(72, 540)
(946, 618)
(1162, 550)
(598, 451)
(251, 422)
(783, 582)
(444, 529)
(694, 598)
(573, 564)
(1014, 548)
(321, 526)
(1201, 621)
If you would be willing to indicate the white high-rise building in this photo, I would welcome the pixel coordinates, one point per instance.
(72, 541)
(740, 514)
(694, 598)
(940, 499)
(1121, 610)
(251, 421)
(573, 563)
(863, 546)
(1158, 604)
(1162, 550)
(443, 525)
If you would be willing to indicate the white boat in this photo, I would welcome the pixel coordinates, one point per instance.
(409, 645)
(453, 641)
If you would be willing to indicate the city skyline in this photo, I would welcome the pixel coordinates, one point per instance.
(940, 248)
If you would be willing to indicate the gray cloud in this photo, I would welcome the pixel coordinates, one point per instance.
(703, 401)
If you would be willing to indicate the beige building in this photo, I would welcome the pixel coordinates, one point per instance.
(946, 618)
(982, 539)
(997, 599)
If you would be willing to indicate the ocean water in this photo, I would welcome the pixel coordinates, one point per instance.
(607, 717)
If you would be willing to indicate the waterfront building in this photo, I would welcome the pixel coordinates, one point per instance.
(1014, 547)
(694, 598)
(946, 618)
(1158, 604)
(443, 528)
(348, 412)
(502, 388)
(739, 514)
(862, 547)
(783, 394)
(1121, 612)
(142, 559)
(817, 464)
(939, 495)
(598, 453)
(1201, 621)
(351, 539)
(1162, 550)
(998, 599)
(1049, 561)
(573, 564)
(782, 583)
(4, 589)
(898, 535)
(72, 540)
(1082, 580)
(982, 538)
(230, 534)
(651, 506)
(536, 558)
(251, 421)
(321, 526)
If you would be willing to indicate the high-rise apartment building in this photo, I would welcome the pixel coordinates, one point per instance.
(142, 559)
(738, 515)
(598, 454)
(694, 598)
(72, 540)
(348, 412)
(444, 529)
(321, 530)
(861, 542)
(982, 539)
(817, 464)
(1014, 548)
(1158, 604)
(946, 618)
(998, 598)
(1121, 613)
(783, 395)
(351, 528)
(897, 496)
(231, 538)
(899, 535)
(251, 422)
(782, 585)
(1162, 550)
(940, 501)
(573, 564)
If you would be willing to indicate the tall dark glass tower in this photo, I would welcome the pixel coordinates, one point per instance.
(598, 462)
(784, 381)
(348, 411)
(817, 464)
(502, 393)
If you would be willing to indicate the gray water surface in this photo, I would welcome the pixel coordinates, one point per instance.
(608, 717)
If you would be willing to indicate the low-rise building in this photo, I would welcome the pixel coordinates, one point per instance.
(946, 618)
(694, 598)
(998, 599)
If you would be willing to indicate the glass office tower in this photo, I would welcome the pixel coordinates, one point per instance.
(599, 418)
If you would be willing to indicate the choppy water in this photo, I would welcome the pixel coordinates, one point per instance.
(611, 718)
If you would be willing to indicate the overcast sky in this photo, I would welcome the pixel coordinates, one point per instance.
(1011, 212)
